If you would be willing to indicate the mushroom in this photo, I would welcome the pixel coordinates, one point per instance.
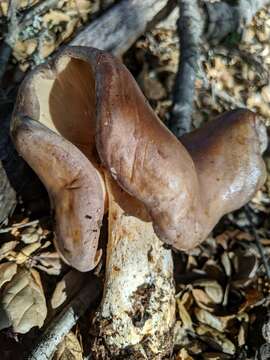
(186, 185)
(53, 129)
(165, 190)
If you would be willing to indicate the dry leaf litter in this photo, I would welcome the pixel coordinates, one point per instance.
(222, 289)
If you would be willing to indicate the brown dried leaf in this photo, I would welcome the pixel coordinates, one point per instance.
(7, 247)
(67, 287)
(7, 271)
(30, 235)
(83, 8)
(245, 265)
(202, 299)
(226, 262)
(212, 289)
(23, 301)
(216, 338)
(69, 349)
(184, 316)
(217, 322)
(54, 17)
(183, 355)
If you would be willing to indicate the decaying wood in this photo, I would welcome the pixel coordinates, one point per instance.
(137, 314)
(118, 28)
(63, 323)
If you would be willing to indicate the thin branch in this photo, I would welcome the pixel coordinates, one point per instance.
(258, 242)
(219, 19)
(19, 226)
(120, 26)
(6, 48)
(190, 28)
(224, 18)
(62, 324)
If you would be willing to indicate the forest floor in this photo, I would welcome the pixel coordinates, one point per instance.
(223, 286)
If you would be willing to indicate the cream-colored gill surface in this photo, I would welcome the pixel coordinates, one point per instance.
(72, 104)
(67, 102)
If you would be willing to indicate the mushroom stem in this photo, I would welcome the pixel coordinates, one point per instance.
(137, 313)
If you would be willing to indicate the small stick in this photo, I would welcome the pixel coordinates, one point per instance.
(18, 226)
(6, 47)
(257, 241)
(62, 324)
(190, 29)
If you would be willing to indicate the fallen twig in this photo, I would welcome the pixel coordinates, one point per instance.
(219, 19)
(6, 47)
(224, 18)
(19, 226)
(258, 242)
(63, 323)
(118, 28)
(190, 28)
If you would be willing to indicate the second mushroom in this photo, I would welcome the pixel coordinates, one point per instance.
(84, 126)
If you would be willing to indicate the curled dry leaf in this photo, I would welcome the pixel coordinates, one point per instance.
(184, 316)
(7, 247)
(245, 264)
(226, 262)
(69, 349)
(183, 355)
(217, 322)
(23, 301)
(212, 289)
(7, 271)
(30, 235)
(67, 287)
(202, 299)
(215, 339)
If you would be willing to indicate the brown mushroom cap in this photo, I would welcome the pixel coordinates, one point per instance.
(53, 129)
(186, 189)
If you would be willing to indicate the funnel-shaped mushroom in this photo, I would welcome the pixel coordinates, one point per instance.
(185, 187)
(53, 129)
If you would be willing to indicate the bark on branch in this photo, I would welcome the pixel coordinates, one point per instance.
(190, 29)
(224, 18)
(118, 28)
(219, 19)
